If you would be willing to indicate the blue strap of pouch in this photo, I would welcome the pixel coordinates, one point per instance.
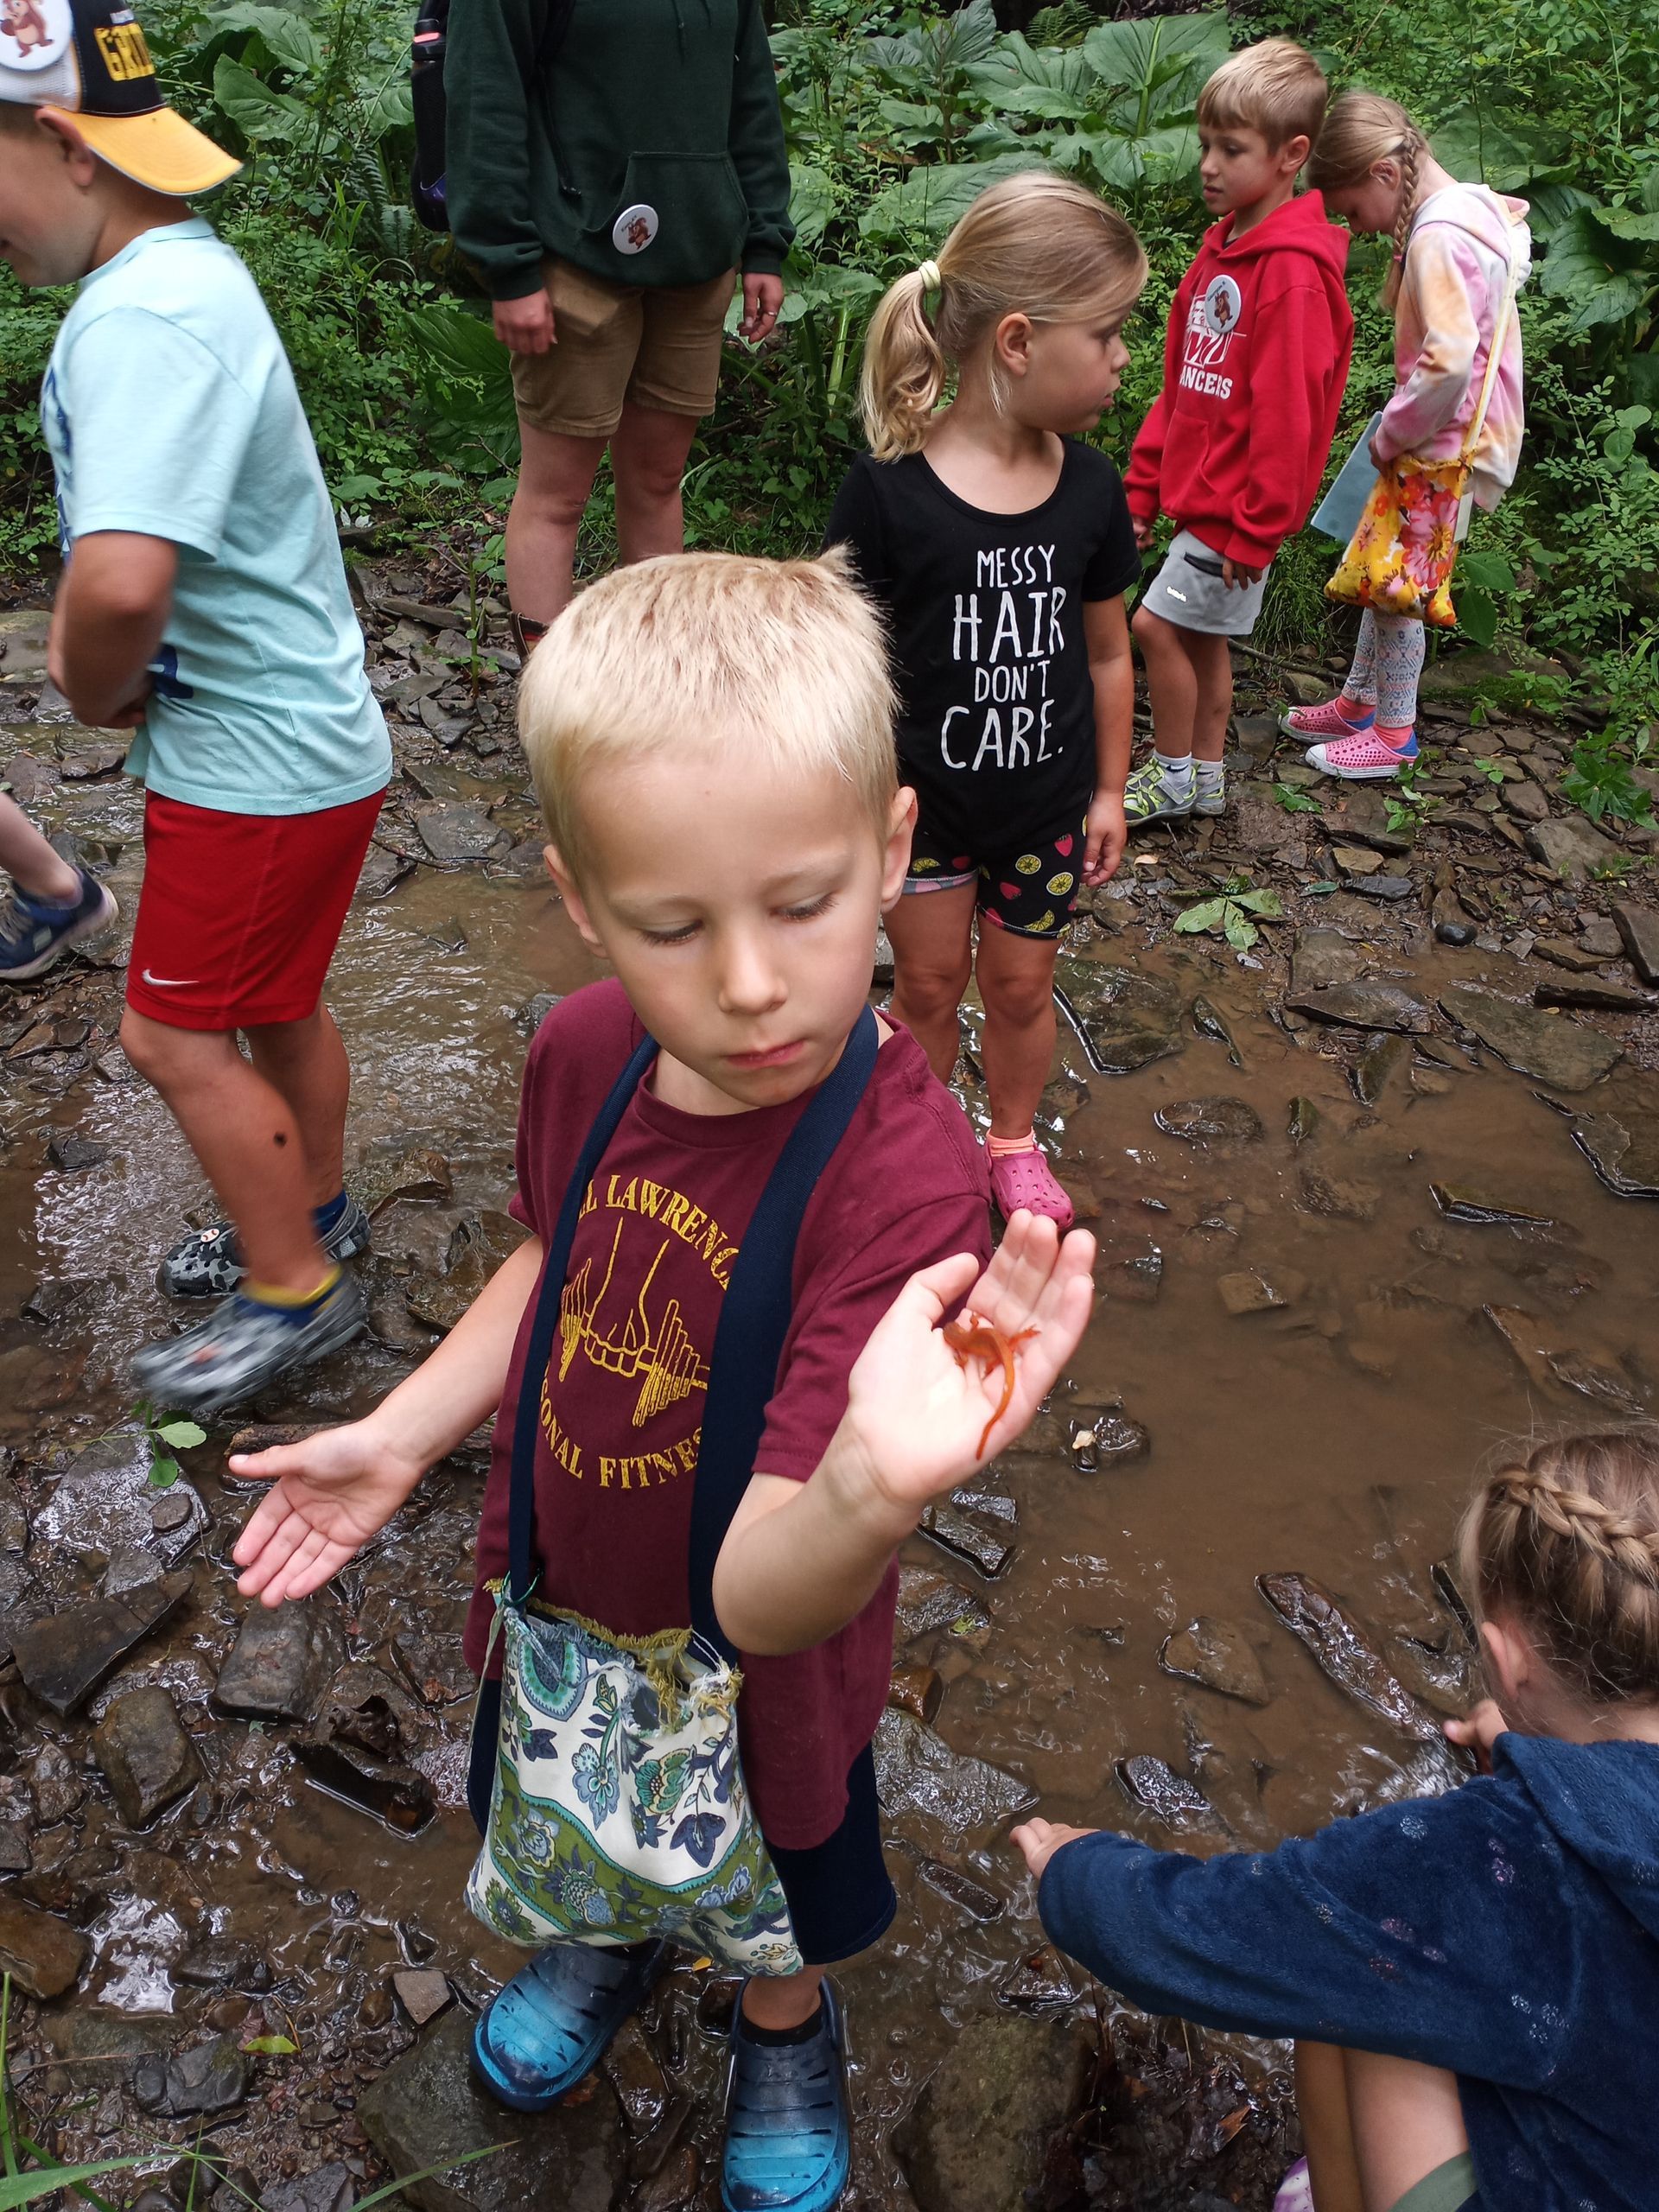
(754, 1318)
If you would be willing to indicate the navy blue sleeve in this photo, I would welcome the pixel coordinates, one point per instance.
(1433, 1930)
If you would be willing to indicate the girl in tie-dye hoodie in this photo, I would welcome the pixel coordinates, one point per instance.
(1461, 252)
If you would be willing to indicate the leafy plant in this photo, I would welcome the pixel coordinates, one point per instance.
(165, 1438)
(1294, 801)
(1234, 914)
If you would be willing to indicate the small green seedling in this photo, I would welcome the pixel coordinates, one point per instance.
(1295, 802)
(1233, 915)
(167, 1437)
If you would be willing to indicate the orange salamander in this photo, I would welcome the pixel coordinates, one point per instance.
(970, 1338)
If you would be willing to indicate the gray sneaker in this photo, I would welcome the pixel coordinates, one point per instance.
(1148, 797)
(208, 1262)
(238, 1350)
(1213, 801)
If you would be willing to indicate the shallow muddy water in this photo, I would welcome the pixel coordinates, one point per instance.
(1329, 1433)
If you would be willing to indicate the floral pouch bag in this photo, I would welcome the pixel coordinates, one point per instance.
(617, 1806)
(1405, 544)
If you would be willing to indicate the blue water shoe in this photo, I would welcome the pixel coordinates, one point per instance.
(788, 2129)
(550, 2026)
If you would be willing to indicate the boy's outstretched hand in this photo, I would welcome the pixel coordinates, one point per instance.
(1041, 1839)
(917, 1416)
(331, 1493)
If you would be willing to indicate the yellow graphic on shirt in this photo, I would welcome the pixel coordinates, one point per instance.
(632, 1344)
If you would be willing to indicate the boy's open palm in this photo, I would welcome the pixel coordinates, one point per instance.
(332, 1493)
(917, 1416)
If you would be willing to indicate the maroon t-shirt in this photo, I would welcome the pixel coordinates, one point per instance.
(622, 1400)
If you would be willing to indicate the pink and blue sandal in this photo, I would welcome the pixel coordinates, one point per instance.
(1363, 759)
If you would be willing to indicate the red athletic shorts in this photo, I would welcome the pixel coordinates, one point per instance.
(240, 913)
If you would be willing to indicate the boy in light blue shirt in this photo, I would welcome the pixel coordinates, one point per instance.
(203, 605)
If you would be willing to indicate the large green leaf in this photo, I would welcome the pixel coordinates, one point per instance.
(464, 344)
(928, 200)
(1600, 275)
(1157, 53)
(1024, 79)
(289, 38)
(811, 202)
(261, 115)
(1472, 142)
(936, 50)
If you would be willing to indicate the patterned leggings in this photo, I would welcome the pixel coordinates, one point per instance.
(1388, 661)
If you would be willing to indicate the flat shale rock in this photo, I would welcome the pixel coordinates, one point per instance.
(917, 1771)
(1211, 1121)
(1127, 1018)
(280, 1662)
(978, 2138)
(209, 2078)
(929, 1601)
(1571, 847)
(459, 836)
(1179, 1803)
(1218, 1654)
(1623, 1153)
(954, 1532)
(1638, 928)
(106, 1502)
(426, 2109)
(1596, 996)
(331, 2189)
(146, 1757)
(417, 1172)
(1339, 1197)
(64, 1656)
(1321, 958)
(43, 1955)
(1562, 1053)
(1364, 1004)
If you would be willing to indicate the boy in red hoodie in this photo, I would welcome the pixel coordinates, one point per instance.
(1255, 362)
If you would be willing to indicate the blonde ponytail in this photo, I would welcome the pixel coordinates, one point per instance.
(1362, 129)
(1037, 245)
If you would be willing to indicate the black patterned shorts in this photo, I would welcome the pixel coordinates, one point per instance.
(1030, 889)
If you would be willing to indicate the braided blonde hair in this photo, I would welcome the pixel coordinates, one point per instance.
(1568, 1538)
(1037, 244)
(1362, 129)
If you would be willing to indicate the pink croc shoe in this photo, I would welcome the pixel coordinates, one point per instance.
(1327, 721)
(1024, 1179)
(1295, 2191)
(1362, 759)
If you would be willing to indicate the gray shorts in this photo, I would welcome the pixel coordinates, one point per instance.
(1188, 591)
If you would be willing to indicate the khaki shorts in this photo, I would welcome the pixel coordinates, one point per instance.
(656, 347)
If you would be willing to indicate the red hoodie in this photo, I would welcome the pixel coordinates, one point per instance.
(1255, 362)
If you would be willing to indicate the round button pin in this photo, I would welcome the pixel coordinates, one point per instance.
(634, 228)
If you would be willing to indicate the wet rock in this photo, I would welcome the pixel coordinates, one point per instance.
(954, 1532)
(57, 1785)
(631, 2068)
(1180, 1804)
(1211, 1121)
(383, 870)
(433, 1667)
(395, 1794)
(415, 1171)
(14, 1521)
(1454, 923)
(992, 1505)
(212, 2077)
(1460, 1202)
(171, 1512)
(146, 1757)
(1247, 1292)
(1564, 1054)
(1571, 847)
(1303, 1121)
(422, 1993)
(961, 1890)
(1383, 1058)
(43, 1954)
(1638, 930)
(1206, 1022)
(1520, 1332)
(1567, 952)
(917, 1771)
(928, 1602)
(1360, 812)
(1364, 1004)
(426, 2111)
(15, 1855)
(106, 1502)
(1626, 1159)
(673, 2186)
(280, 1661)
(64, 1656)
(1597, 1379)
(71, 1152)
(214, 1963)
(979, 2136)
(916, 1688)
(1124, 1018)
(1322, 958)
(1344, 1653)
(1596, 997)
(458, 836)
(1339, 1197)
(1216, 1654)
(1107, 1439)
(478, 1245)
(1039, 1983)
(331, 2189)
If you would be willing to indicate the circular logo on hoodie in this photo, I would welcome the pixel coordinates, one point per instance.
(34, 33)
(1220, 305)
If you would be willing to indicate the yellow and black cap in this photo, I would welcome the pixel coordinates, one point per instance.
(88, 60)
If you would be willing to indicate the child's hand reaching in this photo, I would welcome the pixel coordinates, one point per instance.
(331, 1493)
(1477, 1732)
(919, 1418)
(1041, 1839)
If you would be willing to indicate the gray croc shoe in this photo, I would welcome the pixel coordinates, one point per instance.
(207, 1264)
(238, 1350)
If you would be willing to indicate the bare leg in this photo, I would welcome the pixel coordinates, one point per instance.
(30, 861)
(931, 934)
(782, 2000)
(1213, 668)
(648, 457)
(244, 1133)
(1171, 683)
(555, 476)
(1407, 2119)
(305, 1063)
(1327, 2127)
(1016, 981)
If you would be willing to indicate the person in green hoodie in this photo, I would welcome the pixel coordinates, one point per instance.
(612, 165)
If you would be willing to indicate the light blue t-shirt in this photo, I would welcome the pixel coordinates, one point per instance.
(169, 410)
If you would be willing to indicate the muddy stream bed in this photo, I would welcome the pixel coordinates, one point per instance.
(1366, 1207)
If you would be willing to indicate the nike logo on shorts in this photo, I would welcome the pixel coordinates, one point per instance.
(169, 982)
(1173, 593)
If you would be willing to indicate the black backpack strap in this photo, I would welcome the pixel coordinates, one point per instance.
(521, 1516)
(754, 1318)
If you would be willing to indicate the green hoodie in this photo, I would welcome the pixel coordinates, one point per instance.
(671, 104)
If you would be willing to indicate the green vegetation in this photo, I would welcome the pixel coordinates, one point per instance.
(897, 115)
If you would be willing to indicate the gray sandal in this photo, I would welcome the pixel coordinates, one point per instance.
(238, 1350)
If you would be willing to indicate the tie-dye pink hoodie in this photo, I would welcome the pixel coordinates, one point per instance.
(1464, 243)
